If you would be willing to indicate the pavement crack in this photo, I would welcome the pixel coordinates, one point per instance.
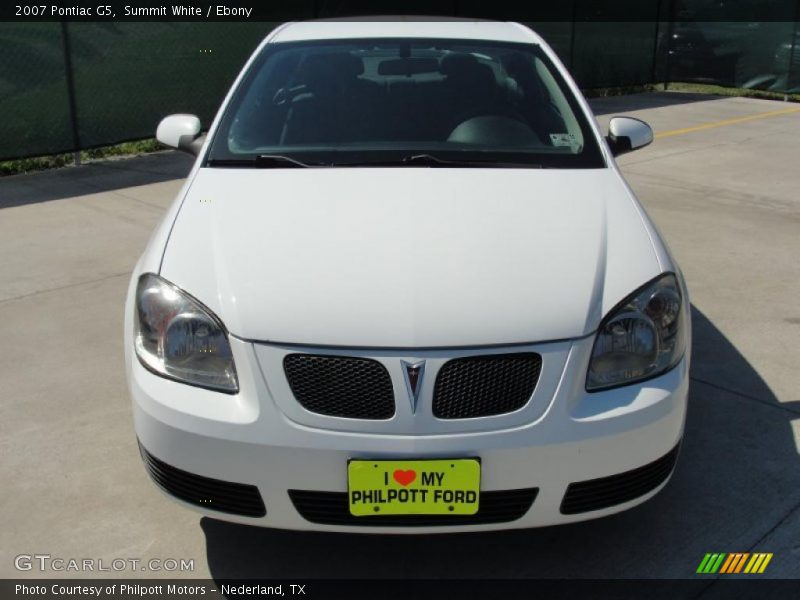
(785, 518)
(669, 155)
(138, 169)
(98, 189)
(63, 287)
(745, 396)
(721, 194)
(104, 210)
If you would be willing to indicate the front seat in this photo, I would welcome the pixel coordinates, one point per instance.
(336, 104)
(470, 87)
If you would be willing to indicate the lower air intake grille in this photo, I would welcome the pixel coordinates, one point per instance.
(481, 386)
(234, 498)
(331, 508)
(339, 386)
(609, 491)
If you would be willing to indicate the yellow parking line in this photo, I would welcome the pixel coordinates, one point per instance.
(764, 115)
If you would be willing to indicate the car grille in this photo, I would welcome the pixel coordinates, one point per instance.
(481, 386)
(338, 386)
(608, 491)
(331, 508)
(223, 496)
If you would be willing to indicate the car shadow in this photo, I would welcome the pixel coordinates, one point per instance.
(736, 478)
(93, 178)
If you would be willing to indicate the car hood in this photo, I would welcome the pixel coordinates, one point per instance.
(409, 257)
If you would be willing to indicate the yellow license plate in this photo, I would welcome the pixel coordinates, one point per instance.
(414, 487)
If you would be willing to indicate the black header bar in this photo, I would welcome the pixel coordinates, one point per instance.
(293, 10)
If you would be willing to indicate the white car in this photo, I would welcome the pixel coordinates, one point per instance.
(405, 288)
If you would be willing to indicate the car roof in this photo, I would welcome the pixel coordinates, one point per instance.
(410, 27)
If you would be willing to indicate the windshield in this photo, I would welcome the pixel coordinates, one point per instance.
(404, 101)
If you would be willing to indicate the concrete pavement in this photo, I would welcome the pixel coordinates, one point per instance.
(726, 199)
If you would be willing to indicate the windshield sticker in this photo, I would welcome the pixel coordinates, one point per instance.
(563, 139)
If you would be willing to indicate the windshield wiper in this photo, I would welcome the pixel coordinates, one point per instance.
(266, 161)
(263, 161)
(434, 161)
(429, 160)
(279, 161)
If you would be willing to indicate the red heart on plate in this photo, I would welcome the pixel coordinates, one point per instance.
(404, 477)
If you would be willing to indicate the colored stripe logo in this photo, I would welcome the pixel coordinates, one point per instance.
(734, 562)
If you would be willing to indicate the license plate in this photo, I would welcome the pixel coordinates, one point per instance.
(414, 487)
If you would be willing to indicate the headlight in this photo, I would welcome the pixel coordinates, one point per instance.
(179, 338)
(644, 336)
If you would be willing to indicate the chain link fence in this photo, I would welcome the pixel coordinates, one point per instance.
(69, 86)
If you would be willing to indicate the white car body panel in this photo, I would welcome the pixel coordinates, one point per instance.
(409, 258)
(438, 264)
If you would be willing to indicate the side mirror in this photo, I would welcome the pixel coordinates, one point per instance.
(181, 132)
(626, 134)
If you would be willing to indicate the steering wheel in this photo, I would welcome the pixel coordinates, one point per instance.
(485, 111)
(287, 94)
(494, 130)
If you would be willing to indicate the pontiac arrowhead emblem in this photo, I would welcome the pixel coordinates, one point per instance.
(413, 375)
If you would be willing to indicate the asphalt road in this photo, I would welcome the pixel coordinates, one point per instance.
(722, 183)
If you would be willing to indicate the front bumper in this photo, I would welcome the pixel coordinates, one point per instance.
(564, 436)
